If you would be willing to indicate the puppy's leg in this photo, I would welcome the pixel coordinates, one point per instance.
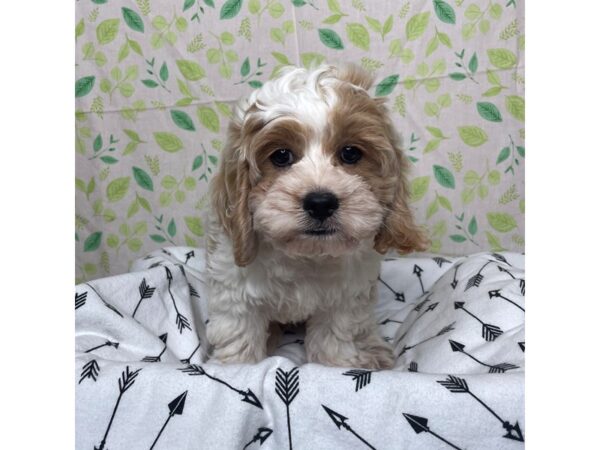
(238, 333)
(348, 337)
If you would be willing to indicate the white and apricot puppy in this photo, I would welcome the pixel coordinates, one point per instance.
(311, 191)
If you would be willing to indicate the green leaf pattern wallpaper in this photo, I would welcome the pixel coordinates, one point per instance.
(156, 82)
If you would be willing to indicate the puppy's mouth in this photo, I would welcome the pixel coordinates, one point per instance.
(320, 231)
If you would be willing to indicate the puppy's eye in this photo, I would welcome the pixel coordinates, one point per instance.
(282, 157)
(350, 154)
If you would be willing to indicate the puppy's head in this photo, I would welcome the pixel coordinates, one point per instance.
(313, 165)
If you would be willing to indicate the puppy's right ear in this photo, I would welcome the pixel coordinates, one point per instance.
(230, 189)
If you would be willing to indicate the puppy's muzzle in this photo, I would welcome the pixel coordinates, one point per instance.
(320, 205)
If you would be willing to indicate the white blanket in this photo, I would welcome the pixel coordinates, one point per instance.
(457, 324)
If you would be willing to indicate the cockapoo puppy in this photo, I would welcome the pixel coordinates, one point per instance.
(310, 193)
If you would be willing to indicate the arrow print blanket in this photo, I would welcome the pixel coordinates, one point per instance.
(457, 325)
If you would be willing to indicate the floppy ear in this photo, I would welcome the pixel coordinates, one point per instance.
(230, 188)
(399, 230)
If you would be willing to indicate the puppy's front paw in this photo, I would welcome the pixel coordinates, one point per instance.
(372, 353)
(376, 356)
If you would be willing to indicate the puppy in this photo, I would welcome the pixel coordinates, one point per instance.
(310, 193)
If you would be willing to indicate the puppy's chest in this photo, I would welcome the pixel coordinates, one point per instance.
(292, 292)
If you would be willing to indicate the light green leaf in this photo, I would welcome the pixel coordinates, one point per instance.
(209, 118)
(515, 105)
(471, 178)
(388, 24)
(281, 58)
(277, 35)
(191, 70)
(168, 141)
(444, 202)
(276, 10)
(496, 11)
(495, 244)
(432, 145)
(472, 135)
(107, 30)
(472, 12)
(374, 24)
(310, 59)
(418, 188)
(79, 28)
(194, 224)
(432, 208)
(502, 58)
(117, 189)
(358, 35)
(435, 132)
(227, 38)
(494, 178)
(501, 222)
(417, 25)
(169, 182)
(254, 6)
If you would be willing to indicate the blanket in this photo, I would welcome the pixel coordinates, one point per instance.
(144, 381)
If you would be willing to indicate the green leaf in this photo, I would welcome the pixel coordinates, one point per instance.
(230, 9)
(388, 24)
(501, 222)
(255, 84)
(491, 92)
(472, 135)
(417, 25)
(432, 46)
(157, 238)
(493, 77)
(387, 85)
(164, 72)
(117, 189)
(496, 11)
(107, 30)
(330, 38)
(445, 202)
(150, 83)
(515, 105)
(311, 59)
(281, 58)
(473, 226)
(227, 38)
(191, 70)
(276, 10)
(458, 238)
(374, 24)
(79, 28)
(457, 76)
(198, 160)
(502, 58)
(133, 19)
(472, 12)
(444, 39)
(473, 63)
(84, 85)
(503, 155)
(172, 228)
(209, 118)
(489, 111)
(168, 141)
(109, 160)
(494, 242)
(358, 35)
(471, 178)
(432, 208)
(432, 145)
(444, 11)
(169, 182)
(521, 151)
(213, 159)
(245, 69)
(92, 242)
(334, 6)
(143, 179)
(444, 177)
(97, 145)
(418, 188)
(182, 120)
(194, 224)
(494, 178)
(188, 4)
(435, 132)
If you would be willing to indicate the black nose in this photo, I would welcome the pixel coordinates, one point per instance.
(320, 205)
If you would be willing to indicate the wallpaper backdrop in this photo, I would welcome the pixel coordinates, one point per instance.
(155, 83)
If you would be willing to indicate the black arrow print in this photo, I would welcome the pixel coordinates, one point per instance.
(125, 382)
(247, 395)
(419, 424)
(145, 293)
(488, 332)
(175, 408)
(287, 388)
(155, 264)
(455, 280)
(398, 296)
(361, 376)
(106, 344)
(419, 305)
(458, 385)
(386, 321)
(188, 256)
(443, 331)
(413, 367)
(496, 368)
(340, 421)
(476, 279)
(108, 305)
(189, 358)
(90, 370)
(261, 436)
(439, 260)
(502, 269)
(522, 286)
(193, 291)
(163, 338)
(80, 299)
(431, 307)
(418, 271)
(501, 258)
(181, 321)
(522, 346)
(496, 294)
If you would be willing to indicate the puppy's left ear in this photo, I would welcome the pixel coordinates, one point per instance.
(399, 230)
